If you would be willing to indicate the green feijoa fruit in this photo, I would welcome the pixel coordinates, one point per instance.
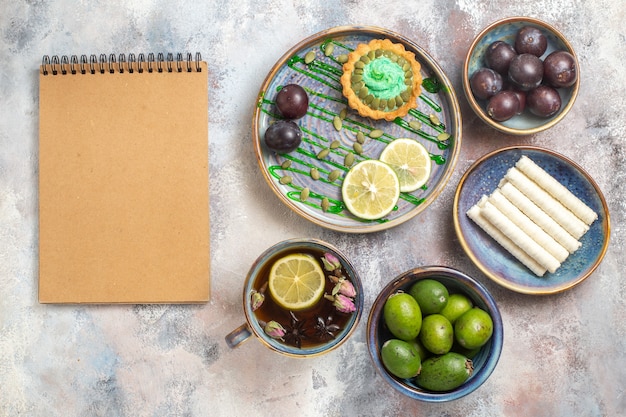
(423, 352)
(456, 306)
(444, 372)
(402, 316)
(468, 353)
(400, 358)
(431, 295)
(474, 328)
(437, 334)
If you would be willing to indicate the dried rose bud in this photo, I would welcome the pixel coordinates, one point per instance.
(346, 288)
(274, 330)
(342, 303)
(330, 262)
(257, 300)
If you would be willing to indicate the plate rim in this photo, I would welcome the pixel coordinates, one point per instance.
(505, 282)
(454, 109)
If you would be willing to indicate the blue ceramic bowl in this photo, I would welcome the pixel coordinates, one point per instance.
(456, 282)
(505, 30)
(483, 177)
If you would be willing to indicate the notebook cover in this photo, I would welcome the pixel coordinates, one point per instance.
(123, 187)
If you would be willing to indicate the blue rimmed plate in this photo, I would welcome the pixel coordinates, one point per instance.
(321, 80)
(482, 178)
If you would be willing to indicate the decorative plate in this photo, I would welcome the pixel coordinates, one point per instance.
(482, 178)
(437, 112)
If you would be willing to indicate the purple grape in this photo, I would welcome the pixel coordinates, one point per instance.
(531, 40)
(526, 71)
(283, 136)
(498, 56)
(543, 101)
(559, 69)
(503, 106)
(292, 101)
(485, 83)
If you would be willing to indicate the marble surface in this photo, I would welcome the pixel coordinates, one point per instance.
(563, 355)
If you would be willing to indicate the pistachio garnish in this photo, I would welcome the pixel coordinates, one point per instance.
(415, 124)
(348, 161)
(325, 204)
(315, 174)
(337, 123)
(304, 194)
(443, 136)
(285, 180)
(309, 57)
(328, 51)
(333, 175)
(286, 164)
(323, 153)
(376, 133)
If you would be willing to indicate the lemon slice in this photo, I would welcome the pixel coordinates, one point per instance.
(296, 282)
(410, 160)
(370, 189)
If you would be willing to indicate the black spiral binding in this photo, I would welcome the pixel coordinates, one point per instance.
(133, 64)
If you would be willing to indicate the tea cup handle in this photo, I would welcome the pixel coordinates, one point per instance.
(238, 336)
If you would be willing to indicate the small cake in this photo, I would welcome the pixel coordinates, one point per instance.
(381, 80)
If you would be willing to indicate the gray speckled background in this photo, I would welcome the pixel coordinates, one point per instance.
(564, 355)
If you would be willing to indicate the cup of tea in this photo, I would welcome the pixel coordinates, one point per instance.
(301, 298)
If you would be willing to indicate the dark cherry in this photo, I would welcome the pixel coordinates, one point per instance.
(526, 71)
(531, 40)
(292, 101)
(503, 106)
(543, 101)
(559, 69)
(485, 83)
(498, 56)
(283, 136)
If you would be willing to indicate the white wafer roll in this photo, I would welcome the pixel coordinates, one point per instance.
(547, 203)
(534, 213)
(528, 226)
(556, 189)
(474, 213)
(521, 239)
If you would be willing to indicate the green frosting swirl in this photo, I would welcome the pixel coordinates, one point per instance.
(384, 78)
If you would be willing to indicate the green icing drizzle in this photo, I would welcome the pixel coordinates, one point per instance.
(384, 78)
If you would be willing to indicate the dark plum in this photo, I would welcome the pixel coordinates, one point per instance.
(283, 136)
(526, 71)
(503, 106)
(485, 83)
(559, 69)
(521, 97)
(531, 40)
(543, 101)
(292, 101)
(498, 56)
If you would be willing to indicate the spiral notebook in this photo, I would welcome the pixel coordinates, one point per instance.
(123, 179)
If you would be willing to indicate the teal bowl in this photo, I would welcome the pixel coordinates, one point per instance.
(505, 30)
(497, 264)
(456, 282)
